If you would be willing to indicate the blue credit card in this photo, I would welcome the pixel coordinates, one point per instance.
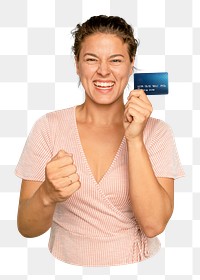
(152, 83)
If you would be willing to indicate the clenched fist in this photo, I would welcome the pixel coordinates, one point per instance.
(61, 179)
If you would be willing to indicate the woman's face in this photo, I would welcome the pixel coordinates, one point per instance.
(104, 67)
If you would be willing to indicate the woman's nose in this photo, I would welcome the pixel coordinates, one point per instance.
(103, 68)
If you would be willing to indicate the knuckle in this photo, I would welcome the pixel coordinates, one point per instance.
(76, 177)
(69, 159)
(129, 110)
(141, 91)
(78, 184)
(48, 166)
(131, 103)
(50, 177)
(65, 158)
(49, 174)
(61, 153)
(74, 169)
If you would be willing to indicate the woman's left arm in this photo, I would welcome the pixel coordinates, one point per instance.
(152, 198)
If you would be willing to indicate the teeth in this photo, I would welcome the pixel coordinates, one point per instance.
(105, 85)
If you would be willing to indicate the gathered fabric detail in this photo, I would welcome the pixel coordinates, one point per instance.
(140, 246)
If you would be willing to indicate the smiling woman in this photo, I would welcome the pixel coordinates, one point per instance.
(100, 174)
(104, 68)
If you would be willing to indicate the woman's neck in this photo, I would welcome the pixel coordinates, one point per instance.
(100, 114)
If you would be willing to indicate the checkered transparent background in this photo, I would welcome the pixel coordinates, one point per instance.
(37, 75)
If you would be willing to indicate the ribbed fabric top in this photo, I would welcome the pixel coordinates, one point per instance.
(96, 225)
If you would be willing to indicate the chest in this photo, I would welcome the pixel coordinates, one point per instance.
(100, 146)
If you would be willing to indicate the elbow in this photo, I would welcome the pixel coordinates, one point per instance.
(29, 232)
(155, 227)
(26, 234)
(152, 231)
(22, 231)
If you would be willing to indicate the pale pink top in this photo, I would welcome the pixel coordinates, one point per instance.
(96, 225)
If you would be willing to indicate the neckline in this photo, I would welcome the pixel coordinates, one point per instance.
(85, 158)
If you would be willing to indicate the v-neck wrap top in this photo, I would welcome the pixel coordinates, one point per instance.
(96, 225)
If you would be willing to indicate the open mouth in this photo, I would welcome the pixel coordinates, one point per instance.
(104, 85)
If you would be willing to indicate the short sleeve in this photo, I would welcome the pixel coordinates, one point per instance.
(163, 152)
(36, 153)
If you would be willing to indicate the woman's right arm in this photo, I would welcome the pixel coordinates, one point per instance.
(38, 200)
(34, 214)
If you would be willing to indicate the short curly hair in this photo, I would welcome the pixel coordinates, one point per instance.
(107, 25)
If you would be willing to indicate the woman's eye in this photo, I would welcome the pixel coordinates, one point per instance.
(116, 61)
(91, 60)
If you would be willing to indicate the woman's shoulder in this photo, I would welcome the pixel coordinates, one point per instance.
(54, 117)
(54, 120)
(155, 124)
(157, 128)
(59, 115)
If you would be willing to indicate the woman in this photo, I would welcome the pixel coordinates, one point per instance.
(100, 174)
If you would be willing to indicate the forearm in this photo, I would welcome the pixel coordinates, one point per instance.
(35, 214)
(150, 202)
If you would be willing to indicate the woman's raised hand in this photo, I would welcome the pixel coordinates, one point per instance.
(137, 111)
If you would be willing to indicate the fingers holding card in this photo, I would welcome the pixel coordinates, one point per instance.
(137, 111)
